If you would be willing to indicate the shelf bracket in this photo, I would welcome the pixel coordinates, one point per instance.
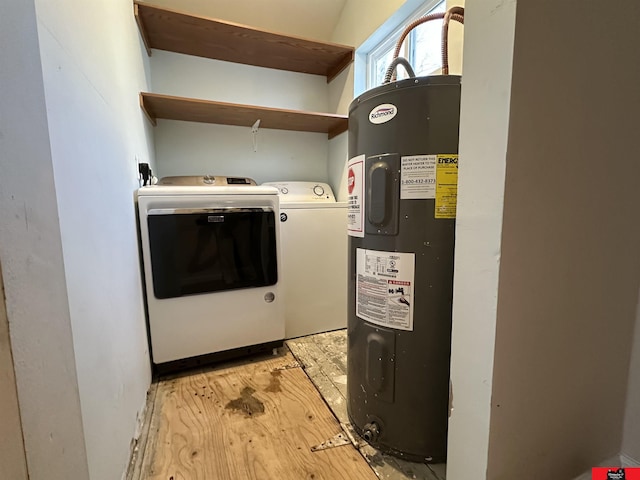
(254, 132)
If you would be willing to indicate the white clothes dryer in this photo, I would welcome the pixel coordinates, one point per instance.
(313, 230)
(211, 261)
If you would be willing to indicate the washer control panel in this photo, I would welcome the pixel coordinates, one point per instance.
(316, 192)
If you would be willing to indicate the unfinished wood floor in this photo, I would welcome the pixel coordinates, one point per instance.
(259, 418)
(254, 420)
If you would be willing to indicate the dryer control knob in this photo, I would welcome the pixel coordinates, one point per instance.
(318, 190)
(284, 190)
(209, 179)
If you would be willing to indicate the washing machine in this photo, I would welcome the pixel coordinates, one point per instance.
(210, 249)
(313, 229)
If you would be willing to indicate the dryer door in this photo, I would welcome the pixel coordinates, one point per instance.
(195, 251)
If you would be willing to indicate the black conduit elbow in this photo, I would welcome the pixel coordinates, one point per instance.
(392, 68)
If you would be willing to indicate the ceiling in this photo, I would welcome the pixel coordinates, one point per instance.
(314, 19)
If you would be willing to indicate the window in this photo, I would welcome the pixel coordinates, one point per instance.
(421, 47)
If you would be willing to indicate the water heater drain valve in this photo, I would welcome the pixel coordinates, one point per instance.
(371, 432)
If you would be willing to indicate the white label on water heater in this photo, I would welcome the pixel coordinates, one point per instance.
(418, 177)
(384, 288)
(382, 113)
(355, 188)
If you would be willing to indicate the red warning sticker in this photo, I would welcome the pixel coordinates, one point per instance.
(355, 205)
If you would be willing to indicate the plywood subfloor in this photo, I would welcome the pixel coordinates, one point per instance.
(253, 420)
(324, 358)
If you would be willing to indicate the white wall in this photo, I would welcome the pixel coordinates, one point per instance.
(186, 148)
(67, 235)
(32, 262)
(93, 68)
(189, 148)
(203, 78)
(570, 265)
(484, 120)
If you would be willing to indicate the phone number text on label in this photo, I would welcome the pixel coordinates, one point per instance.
(418, 181)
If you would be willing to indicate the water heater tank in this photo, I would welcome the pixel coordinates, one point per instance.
(403, 166)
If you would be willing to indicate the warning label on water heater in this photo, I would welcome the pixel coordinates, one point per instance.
(446, 186)
(431, 177)
(418, 177)
(355, 188)
(384, 288)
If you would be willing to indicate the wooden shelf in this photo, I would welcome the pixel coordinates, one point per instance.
(176, 31)
(194, 110)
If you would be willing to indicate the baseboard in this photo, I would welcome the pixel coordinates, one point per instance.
(139, 441)
(627, 461)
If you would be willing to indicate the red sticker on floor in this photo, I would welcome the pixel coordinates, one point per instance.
(615, 473)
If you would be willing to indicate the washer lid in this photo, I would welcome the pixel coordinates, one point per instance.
(298, 192)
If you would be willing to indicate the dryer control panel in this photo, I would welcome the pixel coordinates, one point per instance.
(315, 192)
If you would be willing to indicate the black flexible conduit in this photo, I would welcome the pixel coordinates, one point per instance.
(394, 64)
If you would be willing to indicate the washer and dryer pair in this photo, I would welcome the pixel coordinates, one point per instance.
(229, 272)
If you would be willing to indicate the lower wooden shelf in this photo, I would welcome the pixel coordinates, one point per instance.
(206, 111)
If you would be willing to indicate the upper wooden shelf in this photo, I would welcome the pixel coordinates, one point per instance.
(194, 110)
(180, 32)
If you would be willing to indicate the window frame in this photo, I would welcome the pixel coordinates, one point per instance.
(382, 48)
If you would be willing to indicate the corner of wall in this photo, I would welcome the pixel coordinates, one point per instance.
(97, 134)
(631, 433)
(32, 259)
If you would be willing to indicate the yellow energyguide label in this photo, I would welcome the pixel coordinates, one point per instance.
(446, 186)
